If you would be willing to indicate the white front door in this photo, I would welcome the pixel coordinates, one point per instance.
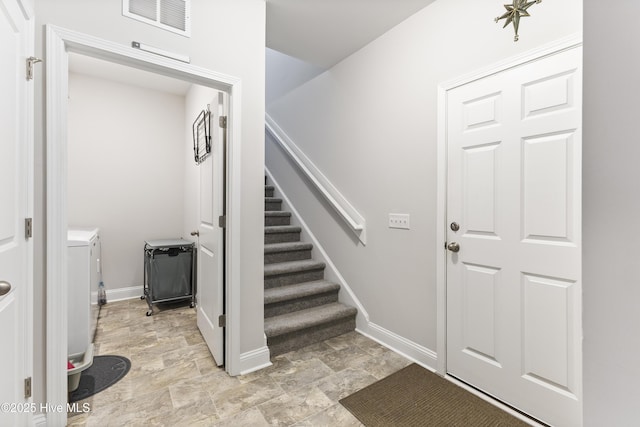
(210, 281)
(15, 193)
(514, 190)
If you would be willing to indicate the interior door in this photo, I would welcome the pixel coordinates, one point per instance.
(14, 205)
(513, 264)
(210, 280)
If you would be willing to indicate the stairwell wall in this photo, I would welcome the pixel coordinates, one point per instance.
(370, 125)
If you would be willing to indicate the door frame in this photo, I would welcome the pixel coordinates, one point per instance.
(570, 42)
(60, 41)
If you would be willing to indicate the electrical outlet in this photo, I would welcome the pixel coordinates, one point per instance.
(399, 221)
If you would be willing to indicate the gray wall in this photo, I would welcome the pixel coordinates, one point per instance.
(228, 36)
(611, 213)
(370, 125)
(125, 170)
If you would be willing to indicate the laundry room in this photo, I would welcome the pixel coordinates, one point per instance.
(131, 175)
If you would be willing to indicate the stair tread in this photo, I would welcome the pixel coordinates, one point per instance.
(292, 267)
(298, 290)
(272, 199)
(272, 229)
(270, 248)
(277, 213)
(303, 319)
(269, 187)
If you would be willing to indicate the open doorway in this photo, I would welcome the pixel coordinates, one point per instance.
(59, 44)
(132, 178)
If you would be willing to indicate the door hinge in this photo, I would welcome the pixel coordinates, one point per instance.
(222, 221)
(222, 320)
(223, 122)
(30, 62)
(28, 228)
(27, 388)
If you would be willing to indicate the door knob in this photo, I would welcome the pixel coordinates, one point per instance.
(453, 247)
(195, 233)
(5, 287)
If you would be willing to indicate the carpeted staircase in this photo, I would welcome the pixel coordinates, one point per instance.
(300, 307)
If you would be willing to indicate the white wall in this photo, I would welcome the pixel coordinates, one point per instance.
(369, 124)
(228, 36)
(611, 214)
(125, 170)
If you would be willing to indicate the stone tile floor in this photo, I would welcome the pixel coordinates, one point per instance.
(174, 381)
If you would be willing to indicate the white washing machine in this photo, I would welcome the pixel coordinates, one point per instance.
(83, 245)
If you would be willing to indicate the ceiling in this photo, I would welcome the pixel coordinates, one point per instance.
(323, 32)
(320, 32)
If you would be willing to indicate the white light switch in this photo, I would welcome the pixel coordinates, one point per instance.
(399, 221)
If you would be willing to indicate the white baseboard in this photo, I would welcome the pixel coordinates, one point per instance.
(120, 294)
(412, 351)
(255, 360)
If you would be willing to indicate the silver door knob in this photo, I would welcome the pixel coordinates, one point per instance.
(195, 233)
(5, 287)
(453, 247)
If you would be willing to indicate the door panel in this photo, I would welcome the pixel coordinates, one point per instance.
(547, 192)
(514, 288)
(14, 199)
(480, 286)
(210, 240)
(548, 303)
(479, 198)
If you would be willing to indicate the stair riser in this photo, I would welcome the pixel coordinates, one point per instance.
(272, 206)
(285, 307)
(281, 237)
(291, 278)
(268, 192)
(277, 220)
(295, 340)
(287, 256)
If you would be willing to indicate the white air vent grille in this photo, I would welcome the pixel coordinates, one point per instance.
(144, 8)
(171, 15)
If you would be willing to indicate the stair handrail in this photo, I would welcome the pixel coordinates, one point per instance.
(345, 210)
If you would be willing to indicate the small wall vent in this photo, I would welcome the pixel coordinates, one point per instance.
(171, 15)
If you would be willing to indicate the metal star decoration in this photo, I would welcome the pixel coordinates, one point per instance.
(514, 12)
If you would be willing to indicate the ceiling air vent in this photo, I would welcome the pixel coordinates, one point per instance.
(171, 15)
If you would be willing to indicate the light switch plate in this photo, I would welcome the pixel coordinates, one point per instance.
(399, 221)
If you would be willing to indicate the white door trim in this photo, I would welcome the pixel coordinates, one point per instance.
(59, 41)
(441, 195)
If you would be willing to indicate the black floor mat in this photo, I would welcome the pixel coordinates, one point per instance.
(103, 373)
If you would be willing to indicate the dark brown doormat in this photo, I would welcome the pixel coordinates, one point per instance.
(414, 396)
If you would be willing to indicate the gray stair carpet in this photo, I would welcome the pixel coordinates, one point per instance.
(300, 307)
